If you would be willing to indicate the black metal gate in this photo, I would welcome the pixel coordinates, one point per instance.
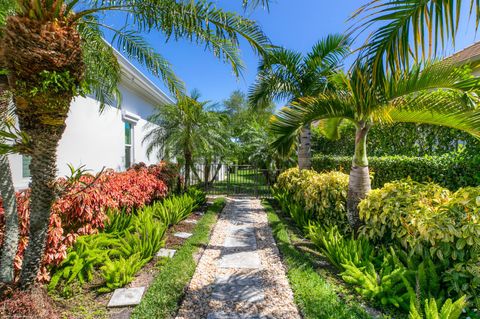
(234, 180)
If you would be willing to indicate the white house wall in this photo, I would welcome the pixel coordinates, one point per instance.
(97, 140)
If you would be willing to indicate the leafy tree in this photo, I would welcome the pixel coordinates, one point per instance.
(247, 126)
(431, 93)
(287, 75)
(46, 47)
(185, 131)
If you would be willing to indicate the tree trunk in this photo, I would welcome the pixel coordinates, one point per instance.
(11, 233)
(359, 181)
(188, 163)
(304, 149)
(7, 192)
(43, 170)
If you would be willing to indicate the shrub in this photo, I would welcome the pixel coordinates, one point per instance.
(119, 272)
(322, 196)
(452, 170)
(430, 220)
(82, 210)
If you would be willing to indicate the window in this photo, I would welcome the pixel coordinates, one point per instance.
(128, 144)
(26, 160)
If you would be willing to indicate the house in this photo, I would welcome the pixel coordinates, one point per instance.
(111, 139)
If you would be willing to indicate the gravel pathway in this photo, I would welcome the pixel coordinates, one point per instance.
(240, 274)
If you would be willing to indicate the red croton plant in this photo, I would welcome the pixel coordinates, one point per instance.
(82, 209)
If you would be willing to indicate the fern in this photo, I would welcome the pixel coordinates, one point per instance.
(118, 273)
(118, 222)
(338, 249)
(449, 310)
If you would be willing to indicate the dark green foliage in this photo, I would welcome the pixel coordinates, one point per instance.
(406, 139)
(177, 208)
(199, 197)
(453, 170)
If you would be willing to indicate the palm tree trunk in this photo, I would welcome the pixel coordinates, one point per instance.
(359, 181)
(11, 233)
(43, 170)
(188, 164)
(304, 149)
(7, 192)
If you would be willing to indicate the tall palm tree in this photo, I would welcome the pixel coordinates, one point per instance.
(432, 93)
(408, 30)
(7, 192)
(184, 131)
(45, 47)
(287, 75)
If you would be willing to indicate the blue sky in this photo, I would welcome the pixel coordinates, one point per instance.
(294, 24)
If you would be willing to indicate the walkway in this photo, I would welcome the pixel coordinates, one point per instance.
(240, 275)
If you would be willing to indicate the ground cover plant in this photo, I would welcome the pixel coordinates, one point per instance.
(162, 298)
(83, 205)
(417, 242)
(128, 242)
(316, 293)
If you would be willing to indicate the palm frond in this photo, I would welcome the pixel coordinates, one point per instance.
(102, 71)
(329, 53)
(440, 108)
(407, 28)
(286, 124)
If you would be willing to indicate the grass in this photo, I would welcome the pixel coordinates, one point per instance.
(315, 296)
(242, 182)
(163, 297)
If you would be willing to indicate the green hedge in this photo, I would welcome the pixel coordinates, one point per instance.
(453, 170)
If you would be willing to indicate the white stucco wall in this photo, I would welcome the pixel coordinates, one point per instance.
(95, 139)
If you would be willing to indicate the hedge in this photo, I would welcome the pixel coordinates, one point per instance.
(452, 170)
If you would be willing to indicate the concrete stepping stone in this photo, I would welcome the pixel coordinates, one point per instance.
(191, 221)
(244, 259)
(164, 252)
(182, 235)
(125, 297)
(239, 287)
(240, 237)
(224, 315)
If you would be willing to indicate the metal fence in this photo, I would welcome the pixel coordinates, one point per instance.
(233, 180)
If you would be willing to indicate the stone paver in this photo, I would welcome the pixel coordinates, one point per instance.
(240, 274)
(164, 252)
(191, 221)
(124, 297)
(223, 315)
(182, 235)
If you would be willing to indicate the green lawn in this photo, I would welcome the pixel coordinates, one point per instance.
(242, 182)
(316, 295)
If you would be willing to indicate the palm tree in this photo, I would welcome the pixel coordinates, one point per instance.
(287, 75)
(432, 93)
(45, 46)
(408, 29)
(184, 131)
(9, 203)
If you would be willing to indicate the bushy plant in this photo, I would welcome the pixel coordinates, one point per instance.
(340, 250)
(323, 196)
(449, 310)
(119, 222)
(199, 197)
(177, 208)
(119, 272)
(431, 221)
(81, 210)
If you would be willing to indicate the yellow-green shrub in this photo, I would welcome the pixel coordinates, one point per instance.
(430, 220)
(322, 196)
